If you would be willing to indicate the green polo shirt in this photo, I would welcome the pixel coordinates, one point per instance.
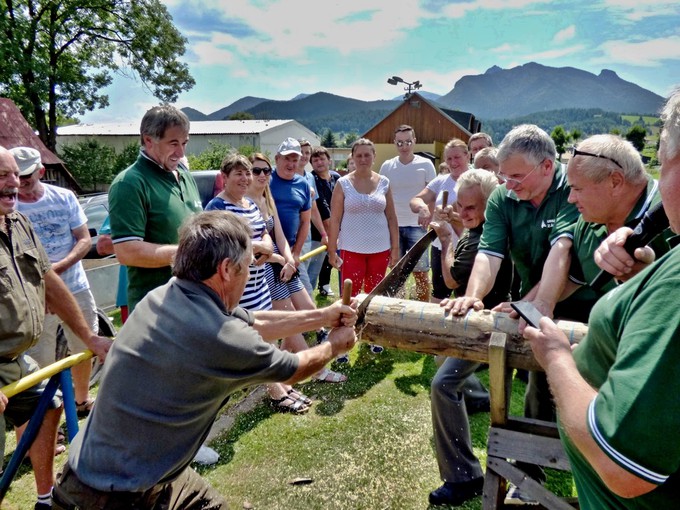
(23, 263)
(630, 356)
(588, 236)
(515, 227)
(147, 203)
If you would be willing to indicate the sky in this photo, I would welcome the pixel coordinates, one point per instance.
(277, 49)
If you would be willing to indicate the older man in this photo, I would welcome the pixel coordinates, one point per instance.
(477, 142)
(150, 199)
(610, 188)
(135, 450)
(61, 225)
(524, 216)
(26, 285)
(619, 422)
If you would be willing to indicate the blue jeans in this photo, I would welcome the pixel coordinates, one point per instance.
(408, 236)
(314, 265)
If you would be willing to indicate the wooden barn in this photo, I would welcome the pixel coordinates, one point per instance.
(16, 132)
(434, 127)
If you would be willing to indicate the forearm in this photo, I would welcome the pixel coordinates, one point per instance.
(311, 361)
(417, 204)
(60, 301)
(144, 254)
(77, 253)
(555, 275)
(316, 219)
(447, 261)
(483, 275)
(275, 324)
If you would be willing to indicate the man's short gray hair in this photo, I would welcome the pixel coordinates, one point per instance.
(530, 141)
(481, 136)
(208, 238)
(159, 119)
(487, 181)
(670, 116)
(619, 150)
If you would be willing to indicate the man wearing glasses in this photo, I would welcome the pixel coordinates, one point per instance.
(611, 189)
(409, 174)
(524, 216)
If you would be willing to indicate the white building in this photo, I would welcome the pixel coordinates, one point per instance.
(265, 134)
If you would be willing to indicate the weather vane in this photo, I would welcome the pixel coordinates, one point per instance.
(409, 88)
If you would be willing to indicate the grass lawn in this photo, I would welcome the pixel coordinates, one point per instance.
(365, 444)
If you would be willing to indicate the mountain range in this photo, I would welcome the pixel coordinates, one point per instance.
(496, 94)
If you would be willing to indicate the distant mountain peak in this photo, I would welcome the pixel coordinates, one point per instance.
(608, 73)
(492, 70)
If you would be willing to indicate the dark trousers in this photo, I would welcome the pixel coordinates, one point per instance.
(187, 492)
(325, 274)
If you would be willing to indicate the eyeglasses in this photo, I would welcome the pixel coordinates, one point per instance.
(517, 182)
(26, 177)
(575, 152)
(258, 170)
(401, 143)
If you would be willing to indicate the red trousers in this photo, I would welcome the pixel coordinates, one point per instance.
(364, 269)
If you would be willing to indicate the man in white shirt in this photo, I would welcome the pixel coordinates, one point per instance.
(409, 174)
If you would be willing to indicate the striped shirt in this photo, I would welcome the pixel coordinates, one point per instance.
(256, 294)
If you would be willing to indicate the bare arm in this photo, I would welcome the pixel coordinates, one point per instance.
(445, 233)
(144, 254)
(316, 218)
(555, 277)
(337, 211)
(573, 396)
(104, 244)
(393, 226)
(481, 282)
(421, 204)
(301, 237)
(79, 250)
(340, 340)
(60, 301)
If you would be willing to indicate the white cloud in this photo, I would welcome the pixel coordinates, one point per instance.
(565, 34)
(636, 10)
(648, 53)
(556, 53)
(459, 10)
(505, 48)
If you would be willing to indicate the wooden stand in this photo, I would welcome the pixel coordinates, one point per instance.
(519, 439)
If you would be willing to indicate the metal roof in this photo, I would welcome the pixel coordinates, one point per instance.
(206, 127)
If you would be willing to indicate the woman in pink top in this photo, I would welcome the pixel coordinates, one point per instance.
(363, 223)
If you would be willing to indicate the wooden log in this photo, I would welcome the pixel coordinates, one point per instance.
(425, 327)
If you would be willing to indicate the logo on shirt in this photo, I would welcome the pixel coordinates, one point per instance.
(548, 223)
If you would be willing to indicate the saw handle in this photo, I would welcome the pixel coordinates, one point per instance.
(346, 292)
(445, 198)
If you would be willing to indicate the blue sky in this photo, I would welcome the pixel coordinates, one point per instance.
(277, 49)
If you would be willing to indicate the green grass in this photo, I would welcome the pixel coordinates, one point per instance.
(365, 444)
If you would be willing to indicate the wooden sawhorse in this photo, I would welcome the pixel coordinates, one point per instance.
(519, 439)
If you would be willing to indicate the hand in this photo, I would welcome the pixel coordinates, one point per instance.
(100, 346)
(287, 272)
(544, 307)
(460, 306)
(394, 257)
(334, 260)
(442, 228)
(324, 239)
(613, 258)
(3, 402)
(424, 217)
(342, 339)
(441, 214)
(337, 314)
(547, 343)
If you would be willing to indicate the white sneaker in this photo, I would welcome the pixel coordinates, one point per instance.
(206, 456)
(327, 291)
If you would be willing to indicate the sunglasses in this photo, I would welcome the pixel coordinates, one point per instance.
(575, 152)
(258, 170)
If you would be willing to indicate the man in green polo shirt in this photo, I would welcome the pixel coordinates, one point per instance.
(524, 216)
(150, 199)
(611, 188)
(619, 418)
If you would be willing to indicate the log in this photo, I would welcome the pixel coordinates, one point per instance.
(425, 327)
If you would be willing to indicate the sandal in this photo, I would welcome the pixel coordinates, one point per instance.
(289, 405)
(83, 408)
(295, 394)
(329, 376)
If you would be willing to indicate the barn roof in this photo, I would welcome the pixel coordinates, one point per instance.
(206, 127)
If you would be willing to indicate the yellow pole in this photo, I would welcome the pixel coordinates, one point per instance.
(44, 373)
(312, 253)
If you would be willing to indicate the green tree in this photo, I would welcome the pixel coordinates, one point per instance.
(57, 55)
(561, 138)
(241, 116)
(350, 138)
(575, 135)
(636, 135)
(125, 157)
(91, 163)
(211, 158)
(328, 139)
